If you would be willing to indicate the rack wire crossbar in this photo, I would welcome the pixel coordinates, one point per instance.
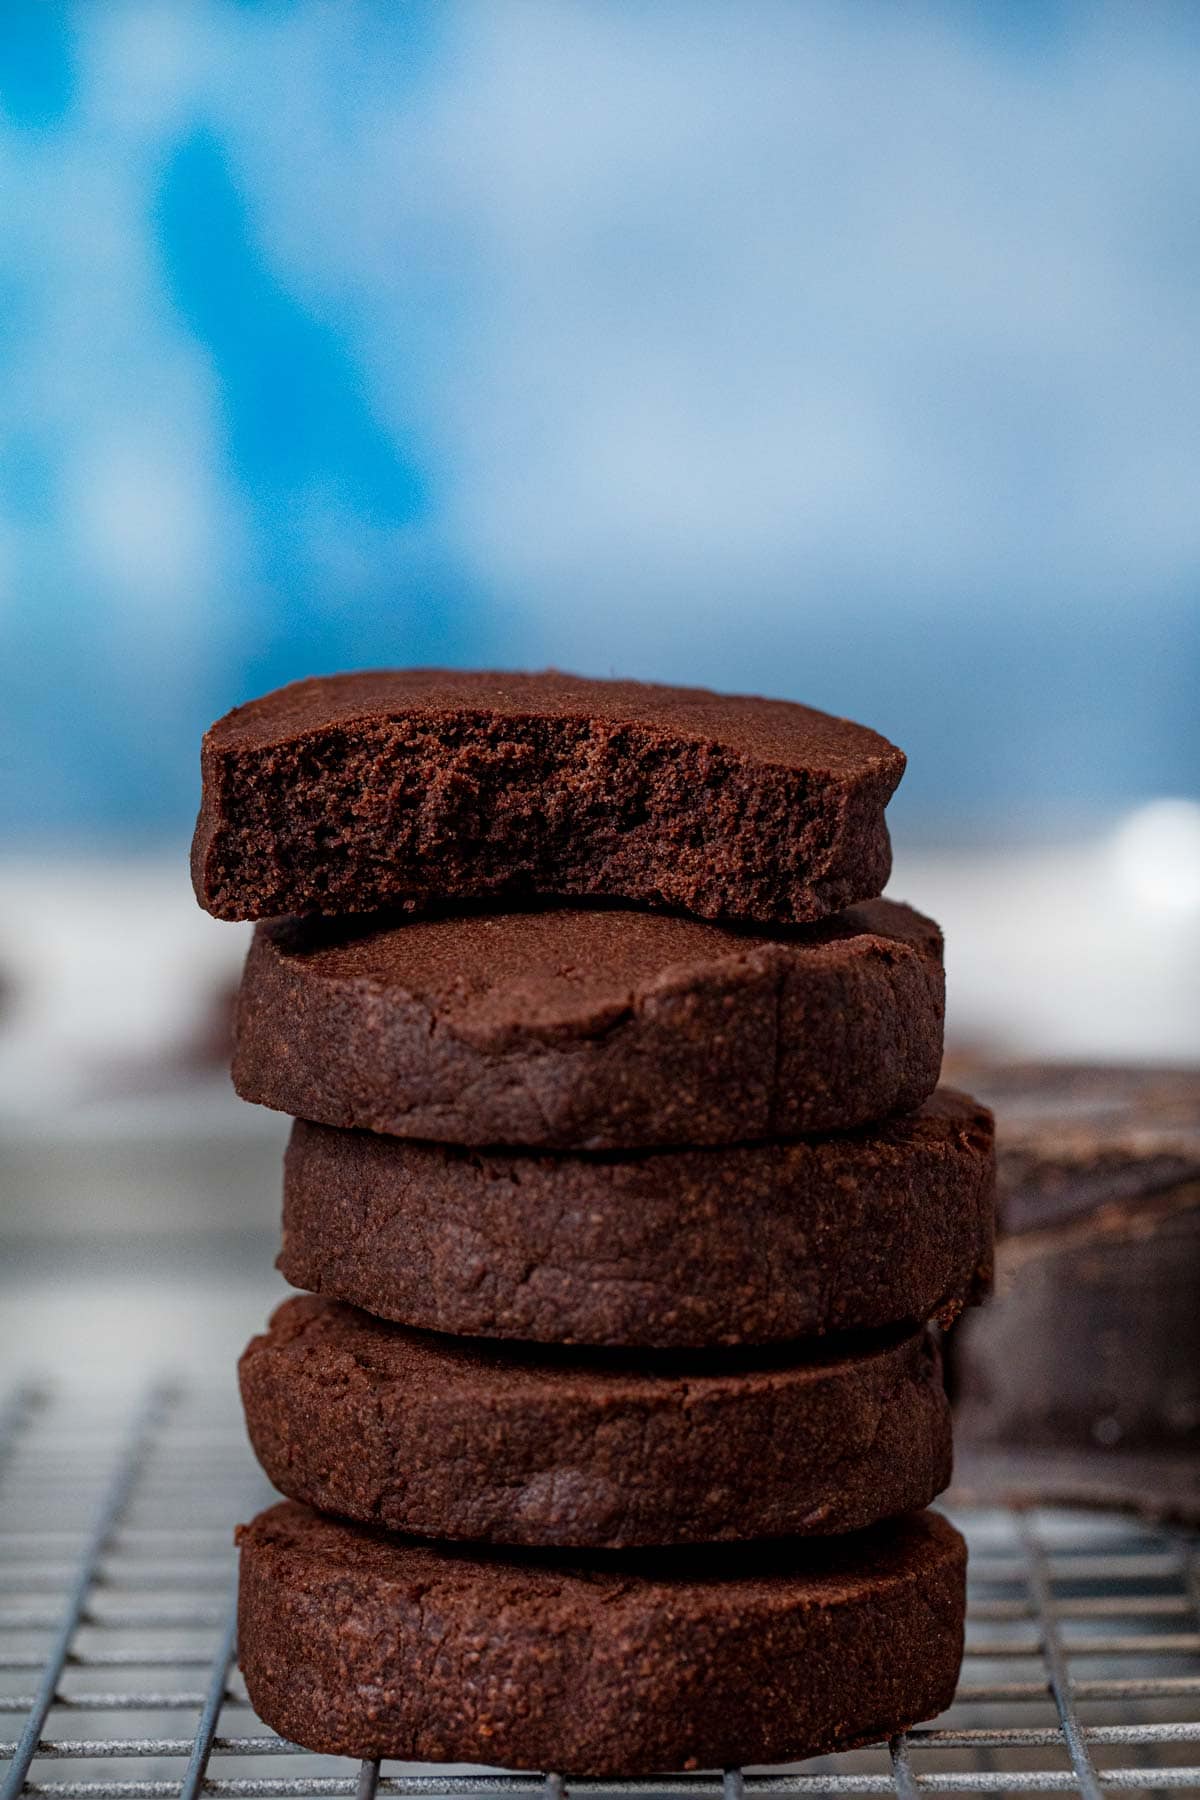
(1082, 1672)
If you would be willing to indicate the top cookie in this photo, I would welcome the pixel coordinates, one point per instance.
(351, 792)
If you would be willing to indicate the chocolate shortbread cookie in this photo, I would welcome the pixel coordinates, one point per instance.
(738, 1245)
(356, 1643)
(592, 1030)
(350, 792)
(451, 1437)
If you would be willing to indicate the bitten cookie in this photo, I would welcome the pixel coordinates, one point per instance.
(354, 1643)
(351, 792)
(739, 1245)
(592, 1030)
(447, 1437)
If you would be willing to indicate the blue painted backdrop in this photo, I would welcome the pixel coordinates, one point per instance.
(845, 353)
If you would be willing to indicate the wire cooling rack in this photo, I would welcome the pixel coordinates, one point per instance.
(118, 1678)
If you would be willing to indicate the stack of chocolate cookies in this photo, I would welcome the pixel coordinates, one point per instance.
(625, 1205)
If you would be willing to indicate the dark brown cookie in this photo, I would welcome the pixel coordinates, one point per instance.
(742, 1245)
(1090, 1350)
(450, 1437)
(351, 792)
(592, 1030)
(355, 1643)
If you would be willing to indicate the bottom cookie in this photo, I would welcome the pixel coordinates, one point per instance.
(357, 1643)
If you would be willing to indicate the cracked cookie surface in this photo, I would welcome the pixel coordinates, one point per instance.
(739, 1244)
(594, 1030)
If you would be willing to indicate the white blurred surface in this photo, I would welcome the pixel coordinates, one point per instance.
(1089, 949)
(111, 971)
(97, 1313)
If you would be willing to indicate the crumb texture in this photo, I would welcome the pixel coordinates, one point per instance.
(354, 792)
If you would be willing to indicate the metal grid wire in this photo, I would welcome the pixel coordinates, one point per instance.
(118, 1678)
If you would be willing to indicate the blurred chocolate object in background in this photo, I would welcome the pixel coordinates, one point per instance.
(1081, 1381)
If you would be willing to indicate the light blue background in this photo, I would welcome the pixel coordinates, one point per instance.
(849, 353)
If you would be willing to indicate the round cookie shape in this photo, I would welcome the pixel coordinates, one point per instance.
(593, 1030)
(351, 792)
(356, 1643)
(748, 1244)
(450, 1438)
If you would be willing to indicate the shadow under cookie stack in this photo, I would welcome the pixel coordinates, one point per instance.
(627, 1213)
